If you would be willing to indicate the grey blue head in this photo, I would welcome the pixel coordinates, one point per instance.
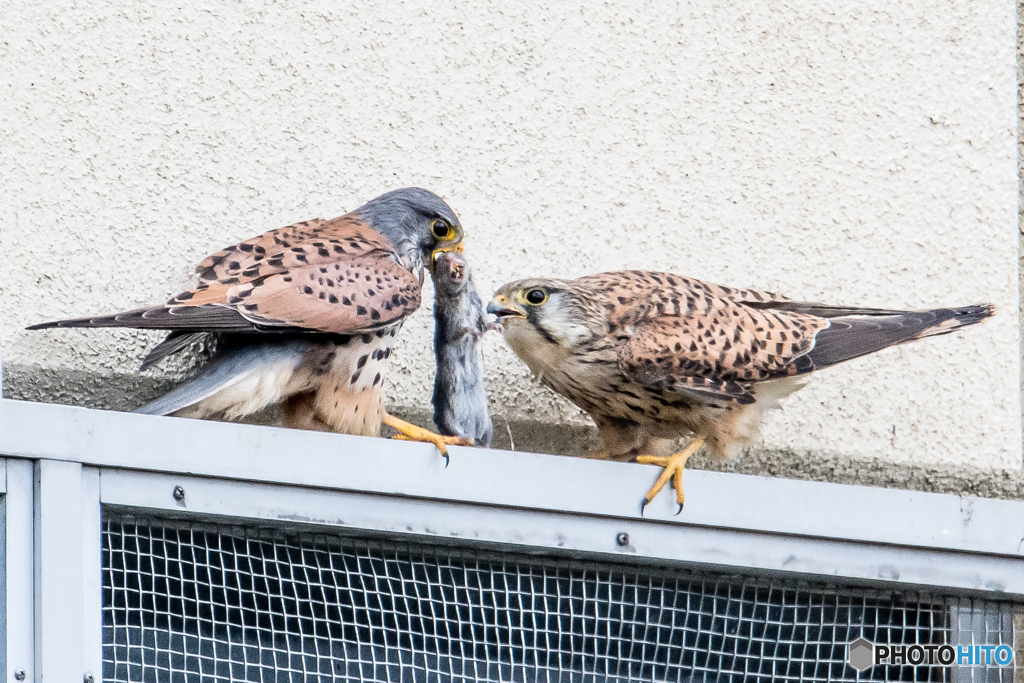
(417, 222)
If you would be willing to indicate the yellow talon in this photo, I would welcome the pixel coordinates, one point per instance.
(410, 432)
(673, 465)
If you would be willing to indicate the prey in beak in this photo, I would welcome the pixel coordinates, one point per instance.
(434, 255)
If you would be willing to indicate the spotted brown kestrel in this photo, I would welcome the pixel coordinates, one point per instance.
(305, 315)
(653, 357)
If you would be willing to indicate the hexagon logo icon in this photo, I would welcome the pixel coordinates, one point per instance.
(861, 654)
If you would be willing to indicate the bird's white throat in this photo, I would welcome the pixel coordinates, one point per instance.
(539, 353)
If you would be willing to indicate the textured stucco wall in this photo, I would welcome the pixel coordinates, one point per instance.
(849, 151)
(1020, 179)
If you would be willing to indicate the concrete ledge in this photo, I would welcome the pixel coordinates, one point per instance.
(126, 392)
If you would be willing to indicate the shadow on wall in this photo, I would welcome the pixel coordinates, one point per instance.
(126, 392)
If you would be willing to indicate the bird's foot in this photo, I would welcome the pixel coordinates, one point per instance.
(410, 432)
(673, 465)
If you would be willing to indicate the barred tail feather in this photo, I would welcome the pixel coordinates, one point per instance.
(962, 317)
(851, 337)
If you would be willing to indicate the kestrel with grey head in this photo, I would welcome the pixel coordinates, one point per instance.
(305, 316)
(654, 357)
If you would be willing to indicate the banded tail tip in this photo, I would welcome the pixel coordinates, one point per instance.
(982, 310)
(968, 315)
(952, 319)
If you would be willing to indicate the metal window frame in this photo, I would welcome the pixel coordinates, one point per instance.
(62, 464)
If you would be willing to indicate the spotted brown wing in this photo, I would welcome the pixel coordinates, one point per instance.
(635, 296)
(362, 293)
(354, 295)
(268, 269)
(717, 354)
(308, 243)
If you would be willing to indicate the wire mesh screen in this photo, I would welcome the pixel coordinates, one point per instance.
(196, 602)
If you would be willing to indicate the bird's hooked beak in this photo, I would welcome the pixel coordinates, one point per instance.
(503, 309)
(437, 252)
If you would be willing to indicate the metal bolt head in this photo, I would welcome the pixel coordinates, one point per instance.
(179, 493)
(19, 674)
(622, 539)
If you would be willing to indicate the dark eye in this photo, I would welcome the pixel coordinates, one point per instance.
(536, 296)
(440, 229)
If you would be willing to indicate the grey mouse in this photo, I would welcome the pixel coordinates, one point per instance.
(460, 399)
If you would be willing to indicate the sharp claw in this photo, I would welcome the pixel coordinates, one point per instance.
(643, 504)
(410, 432)
(672, 472)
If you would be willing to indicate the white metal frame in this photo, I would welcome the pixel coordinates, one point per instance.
(61, 464)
